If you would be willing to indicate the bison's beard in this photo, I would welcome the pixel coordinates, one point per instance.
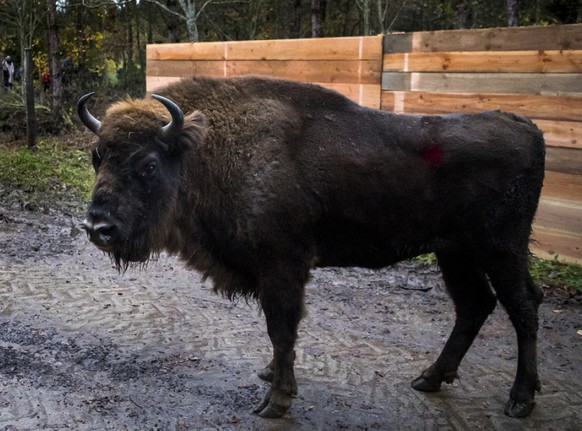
(136, 250)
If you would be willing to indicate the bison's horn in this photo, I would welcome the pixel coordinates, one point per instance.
(174, 127)
(88, 120)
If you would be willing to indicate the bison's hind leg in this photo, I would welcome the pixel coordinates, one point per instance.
(469, 288)
(521, 298)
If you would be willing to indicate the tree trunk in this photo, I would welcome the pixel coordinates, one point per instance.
(512, 13)
(463, 14)
(54, 66)
(364, 6)
(295, 29)
(29, 98)
(315, 18)
(381, 15)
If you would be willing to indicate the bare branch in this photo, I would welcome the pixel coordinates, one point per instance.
(167, 9)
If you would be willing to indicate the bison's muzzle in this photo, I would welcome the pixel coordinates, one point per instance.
(102, 229)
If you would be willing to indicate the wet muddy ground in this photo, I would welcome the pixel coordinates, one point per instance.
(84, 348)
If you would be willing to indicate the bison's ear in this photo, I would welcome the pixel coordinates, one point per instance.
(194, 131)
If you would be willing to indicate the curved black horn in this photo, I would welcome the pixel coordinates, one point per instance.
(174, 127)
(88, 120)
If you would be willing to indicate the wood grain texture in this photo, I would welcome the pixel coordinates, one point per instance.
(551, 61)
(552, 37)
(549, 84)
(563, 187)
(336, 49)
(561, 133)
(554, 108)
(363, 94)
(345, 71)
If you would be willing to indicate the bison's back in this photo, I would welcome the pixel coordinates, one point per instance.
(360, 186)
(424, 183)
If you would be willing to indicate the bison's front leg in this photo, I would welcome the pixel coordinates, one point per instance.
(282, 303)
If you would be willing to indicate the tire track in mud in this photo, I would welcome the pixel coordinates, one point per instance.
(84, 348)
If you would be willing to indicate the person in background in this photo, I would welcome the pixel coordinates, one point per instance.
(8, 72)
(45, 79)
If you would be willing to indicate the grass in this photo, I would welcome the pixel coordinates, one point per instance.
(554, 274)
(50, 166)
(547, 273)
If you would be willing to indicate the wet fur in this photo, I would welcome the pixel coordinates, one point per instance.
(271, 178)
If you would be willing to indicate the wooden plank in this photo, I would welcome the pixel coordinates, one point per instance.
(554, 244)
(185, 68)
(561, 133)
(364, 94)
(486, 61)
(564, 216)
(565, 160)
(155, 82)
(341, 48)
(337, 49)
(353, 71)
(186, 51)
(555, 84)
(562, 186)
(552, 37)
(539, 107)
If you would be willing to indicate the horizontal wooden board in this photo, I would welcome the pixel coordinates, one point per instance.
(345, 71)
(555, 244)
(176, 68)
(553, 37)
(155, 82)
(560, 215)
(561, 133)
(551, 84)
(565, 160)
(341, 48)
(486, 61)
(533, 106)
(562, 186)
(364, 94)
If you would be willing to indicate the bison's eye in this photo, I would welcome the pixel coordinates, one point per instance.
(149, 170)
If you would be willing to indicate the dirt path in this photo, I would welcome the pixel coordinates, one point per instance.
(86, 349)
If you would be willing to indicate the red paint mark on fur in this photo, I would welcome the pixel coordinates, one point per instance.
(432, 155)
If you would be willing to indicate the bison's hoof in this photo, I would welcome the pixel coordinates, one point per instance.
(274, 405)
(516, 409)
(266, 374)
(426, 384)
(271, 411)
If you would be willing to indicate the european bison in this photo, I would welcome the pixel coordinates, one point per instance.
(264, 179)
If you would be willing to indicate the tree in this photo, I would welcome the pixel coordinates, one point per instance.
(24, 16)
(295, 22)
(512, 13)
(364, 6)
(190, 14)
(316, 18)
(54, 64)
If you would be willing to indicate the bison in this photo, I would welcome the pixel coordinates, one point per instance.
(254, 181)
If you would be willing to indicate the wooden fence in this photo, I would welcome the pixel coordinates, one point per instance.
(351, 65)
(532, 71)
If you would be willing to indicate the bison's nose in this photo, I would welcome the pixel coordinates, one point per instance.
(101, 228)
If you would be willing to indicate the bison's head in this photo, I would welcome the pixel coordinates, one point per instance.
(139, 161)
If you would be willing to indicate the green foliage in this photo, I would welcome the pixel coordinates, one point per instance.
(547, 273)
(49, 167)
(554, 274)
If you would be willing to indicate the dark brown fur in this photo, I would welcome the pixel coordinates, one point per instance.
(270, 178)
